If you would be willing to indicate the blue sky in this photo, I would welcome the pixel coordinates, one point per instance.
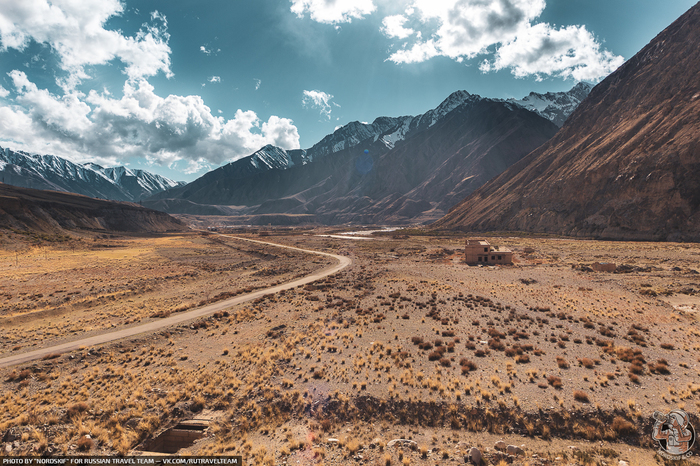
(180, 87)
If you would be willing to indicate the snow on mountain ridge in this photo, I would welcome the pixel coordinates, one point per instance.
(117, 183)
(555, 106)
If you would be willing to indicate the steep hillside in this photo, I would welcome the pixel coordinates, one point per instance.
(625, 165)
(51, 211)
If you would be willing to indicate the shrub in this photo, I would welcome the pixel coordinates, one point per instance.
(496, 344)
(581, 396)
(85, 443)
(586, 362)
(659, 368)
(623, 426)
(554, 381)
(561, 362)
(467, 365)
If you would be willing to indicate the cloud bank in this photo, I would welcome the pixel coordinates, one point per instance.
(333, 11)
(505, 32)
(140, 123)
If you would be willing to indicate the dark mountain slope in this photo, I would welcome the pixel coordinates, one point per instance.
(51, 211)
(421, 179)
(625, 165)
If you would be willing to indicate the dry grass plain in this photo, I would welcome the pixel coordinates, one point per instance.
(407, 343)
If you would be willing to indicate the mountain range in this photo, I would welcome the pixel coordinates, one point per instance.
(21, 169)
(625, 165)
(398, 170)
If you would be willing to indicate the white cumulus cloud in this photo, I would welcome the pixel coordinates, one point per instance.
(215, 79)
(393, 26)
(567, 52)
(333, 11)
(318, 100)
(76, 33)
(98, 127)
(464, 29)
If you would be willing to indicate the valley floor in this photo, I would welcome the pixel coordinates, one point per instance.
(409, 342)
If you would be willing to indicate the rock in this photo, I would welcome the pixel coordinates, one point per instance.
(514, 450)
(500, 445)
(332, 440)
(8, 448)
(475, 455)
(623, 463)
(401, 440)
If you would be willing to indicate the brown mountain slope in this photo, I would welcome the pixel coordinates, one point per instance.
(625, 165)
(52, 211)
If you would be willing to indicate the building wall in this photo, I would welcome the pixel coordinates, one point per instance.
(473, 248)
(481, 252)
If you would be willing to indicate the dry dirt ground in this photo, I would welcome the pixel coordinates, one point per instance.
(407, 343)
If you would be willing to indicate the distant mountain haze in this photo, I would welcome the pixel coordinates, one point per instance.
(625, 165)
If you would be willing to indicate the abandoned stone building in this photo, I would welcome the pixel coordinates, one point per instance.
(481, 252)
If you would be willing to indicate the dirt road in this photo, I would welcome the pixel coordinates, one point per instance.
(160, 324)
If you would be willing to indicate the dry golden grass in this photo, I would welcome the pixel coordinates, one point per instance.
(336, 362)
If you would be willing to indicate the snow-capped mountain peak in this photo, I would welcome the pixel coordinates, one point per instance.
(51, 172)
(555, 106)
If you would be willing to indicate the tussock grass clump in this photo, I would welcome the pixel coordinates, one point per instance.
(76, 409)
(581, 396)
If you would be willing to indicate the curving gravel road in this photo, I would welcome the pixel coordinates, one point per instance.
(160, 324)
